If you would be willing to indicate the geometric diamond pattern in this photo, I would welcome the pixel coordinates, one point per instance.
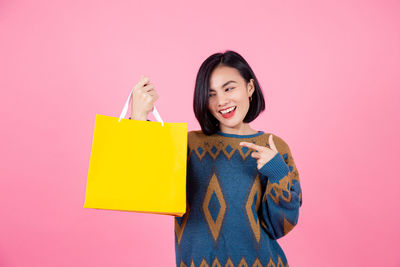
(276, 190)
(229, 263)
(287, 226)
(252, 204)
(214, 206)
(180, 223)
(228, 146)
(228, 151)
(199, 151)
(278, 264)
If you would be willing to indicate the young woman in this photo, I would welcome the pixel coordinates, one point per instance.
(243, 187)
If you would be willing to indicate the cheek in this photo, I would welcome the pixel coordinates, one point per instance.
(244, 104)
(239, 96)
(211, 105)
(242, 100)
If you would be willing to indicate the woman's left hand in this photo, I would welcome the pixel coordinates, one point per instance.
(263, 154)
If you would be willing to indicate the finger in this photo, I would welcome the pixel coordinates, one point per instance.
(256, 155)
(148, 87)
(271, 143)
(153, 93)
(143, 80)
(252, 146)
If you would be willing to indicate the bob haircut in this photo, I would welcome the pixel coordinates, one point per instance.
(209, 124)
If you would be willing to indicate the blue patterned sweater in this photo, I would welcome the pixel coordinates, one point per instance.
(235, 212)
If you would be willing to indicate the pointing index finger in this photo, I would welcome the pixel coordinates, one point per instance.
(271, 143)
(251, 145)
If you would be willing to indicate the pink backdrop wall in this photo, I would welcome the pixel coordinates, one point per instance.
(330, 74)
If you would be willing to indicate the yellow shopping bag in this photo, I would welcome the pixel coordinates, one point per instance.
(137, 165)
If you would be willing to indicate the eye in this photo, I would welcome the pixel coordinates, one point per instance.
(210, 95)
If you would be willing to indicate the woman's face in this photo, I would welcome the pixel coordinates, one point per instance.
(229, 90)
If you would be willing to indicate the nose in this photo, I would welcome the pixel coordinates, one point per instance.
(222, 100)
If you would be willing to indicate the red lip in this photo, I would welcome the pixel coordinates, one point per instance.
(229, 115)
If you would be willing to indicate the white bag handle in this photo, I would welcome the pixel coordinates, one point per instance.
(125, 110)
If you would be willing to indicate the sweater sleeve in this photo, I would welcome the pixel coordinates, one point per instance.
(282, 198)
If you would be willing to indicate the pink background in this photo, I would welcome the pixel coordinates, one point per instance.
(330, 74)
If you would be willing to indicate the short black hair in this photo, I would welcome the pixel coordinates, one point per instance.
(209, 124)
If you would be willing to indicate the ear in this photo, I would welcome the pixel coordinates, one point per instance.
(250, 87)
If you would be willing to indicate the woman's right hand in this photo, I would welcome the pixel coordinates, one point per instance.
(143, 98)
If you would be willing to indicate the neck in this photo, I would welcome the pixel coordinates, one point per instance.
(242, 129)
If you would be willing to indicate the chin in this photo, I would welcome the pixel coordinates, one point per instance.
(231, 124)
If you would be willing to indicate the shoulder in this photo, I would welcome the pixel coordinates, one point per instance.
(195, 132)
(197, 137)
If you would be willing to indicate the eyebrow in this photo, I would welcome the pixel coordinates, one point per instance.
(225, 84)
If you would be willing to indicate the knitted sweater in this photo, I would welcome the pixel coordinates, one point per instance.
(235, 212)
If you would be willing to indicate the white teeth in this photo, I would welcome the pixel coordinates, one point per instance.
(227, 110)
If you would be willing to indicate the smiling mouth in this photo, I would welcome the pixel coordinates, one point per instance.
(231, 109)
(229, 114)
